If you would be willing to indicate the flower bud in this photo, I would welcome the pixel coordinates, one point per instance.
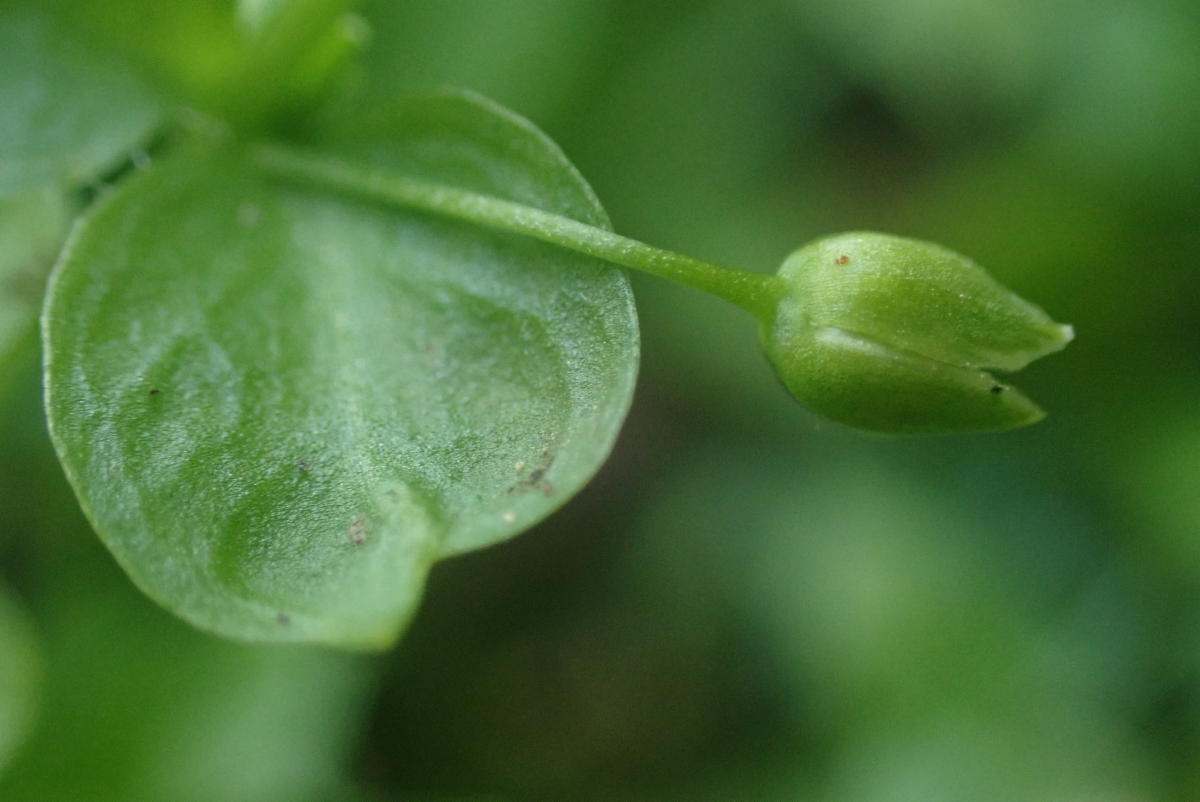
(893, 335)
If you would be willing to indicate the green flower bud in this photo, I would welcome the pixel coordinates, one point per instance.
(894, 335)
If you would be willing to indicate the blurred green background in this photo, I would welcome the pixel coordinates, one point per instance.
(748, 603)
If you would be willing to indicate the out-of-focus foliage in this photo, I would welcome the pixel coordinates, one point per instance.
(248, 62)
(19, 677)
(748, 603)
(66, 120)
(32, 228)
(70, 110)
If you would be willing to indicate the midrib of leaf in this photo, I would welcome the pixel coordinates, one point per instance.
(757, 293)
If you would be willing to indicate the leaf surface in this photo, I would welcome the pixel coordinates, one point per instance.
(279, 406)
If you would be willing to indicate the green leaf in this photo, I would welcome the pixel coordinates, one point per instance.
(246, 65)
(279, 406)
(18, 675)
(66, 112)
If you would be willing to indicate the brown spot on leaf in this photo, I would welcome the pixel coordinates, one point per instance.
(842, 260)
(537, 477)
(358, 531)
(153, 391)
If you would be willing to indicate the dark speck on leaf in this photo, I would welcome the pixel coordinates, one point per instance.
(284, 619)
(842, 260)
(153, 391)
(537, 476)
(997, 389)
(358, 531)
(302, 466)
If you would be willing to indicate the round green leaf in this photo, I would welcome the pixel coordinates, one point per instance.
(279, 406)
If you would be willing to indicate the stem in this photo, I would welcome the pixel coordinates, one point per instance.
(757, 293)
(279, 55)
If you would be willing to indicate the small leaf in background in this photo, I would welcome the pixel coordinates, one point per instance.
(66, 112)
(32, 228)
(250, 66)
(190, 48)
(279, 406)
(19, 674)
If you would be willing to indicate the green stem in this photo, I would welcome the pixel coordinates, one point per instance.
(279, 52)
(757, 293)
